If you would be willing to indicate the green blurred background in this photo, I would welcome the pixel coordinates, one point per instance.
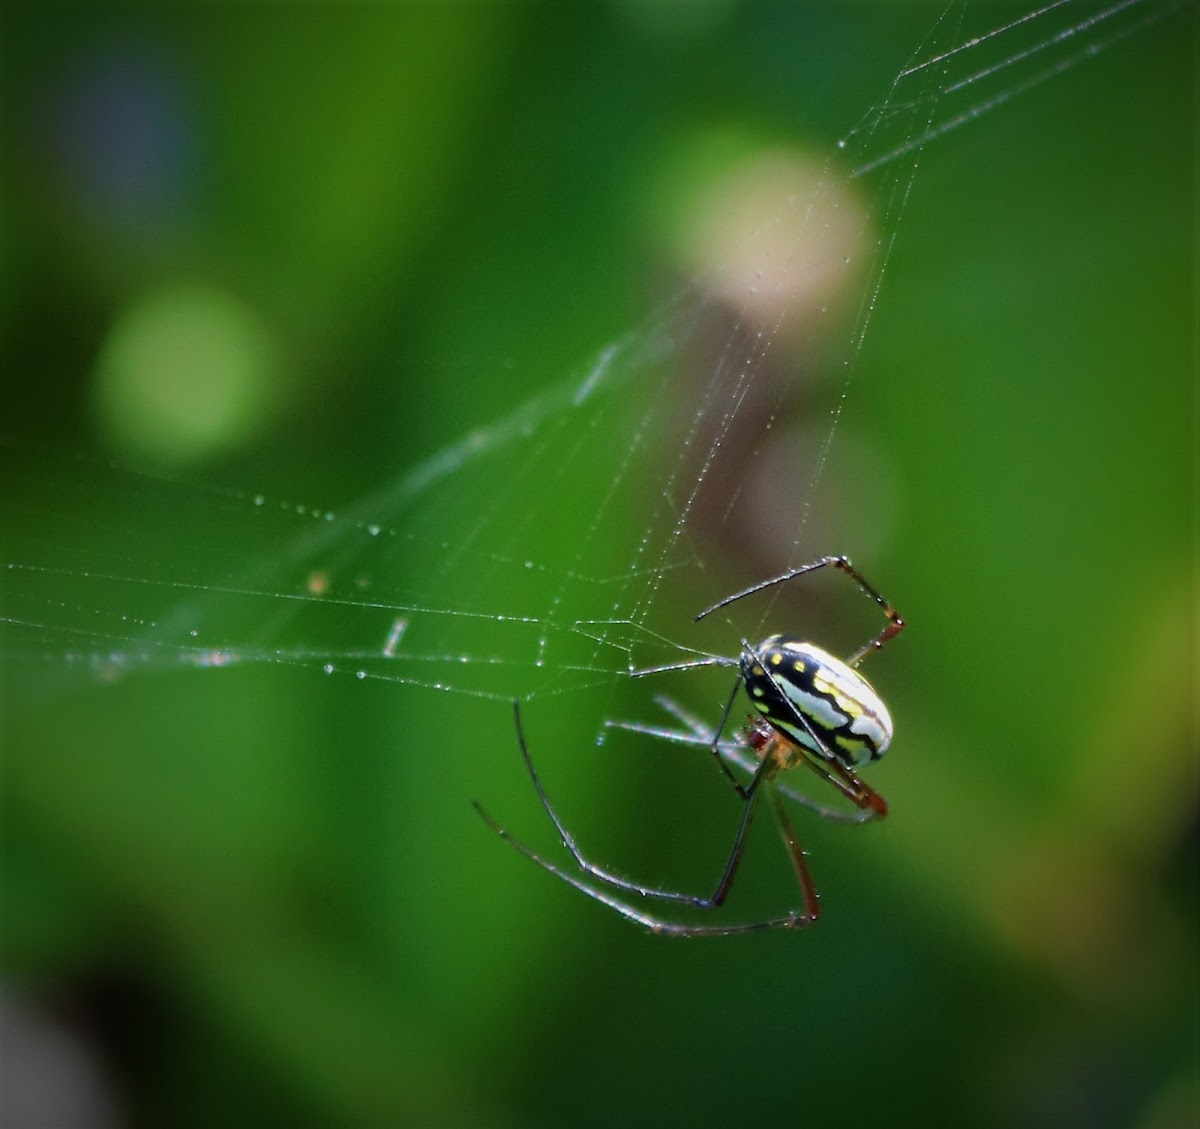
(258, 894)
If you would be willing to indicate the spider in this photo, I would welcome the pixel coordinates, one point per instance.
(813, 710)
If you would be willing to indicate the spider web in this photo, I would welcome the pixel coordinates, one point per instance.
(563, 546)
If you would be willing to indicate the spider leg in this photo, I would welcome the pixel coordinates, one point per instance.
(657, 925)
(692, 664)
(894, 623)
(615, 880)
(715, 746)
(791, 574)
(812, 908)
(850, 784)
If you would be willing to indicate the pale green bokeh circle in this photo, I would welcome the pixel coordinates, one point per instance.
(185, 372)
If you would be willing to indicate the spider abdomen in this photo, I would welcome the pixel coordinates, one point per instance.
(816, 700)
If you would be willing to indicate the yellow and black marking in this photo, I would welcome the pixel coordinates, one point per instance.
(817, 701)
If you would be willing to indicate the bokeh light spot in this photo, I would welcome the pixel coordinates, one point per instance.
(185, 372)
(782, 266)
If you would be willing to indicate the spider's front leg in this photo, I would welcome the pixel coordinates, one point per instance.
(606, 876)
(794, 919)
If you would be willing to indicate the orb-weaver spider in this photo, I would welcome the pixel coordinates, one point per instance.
(815, 710)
